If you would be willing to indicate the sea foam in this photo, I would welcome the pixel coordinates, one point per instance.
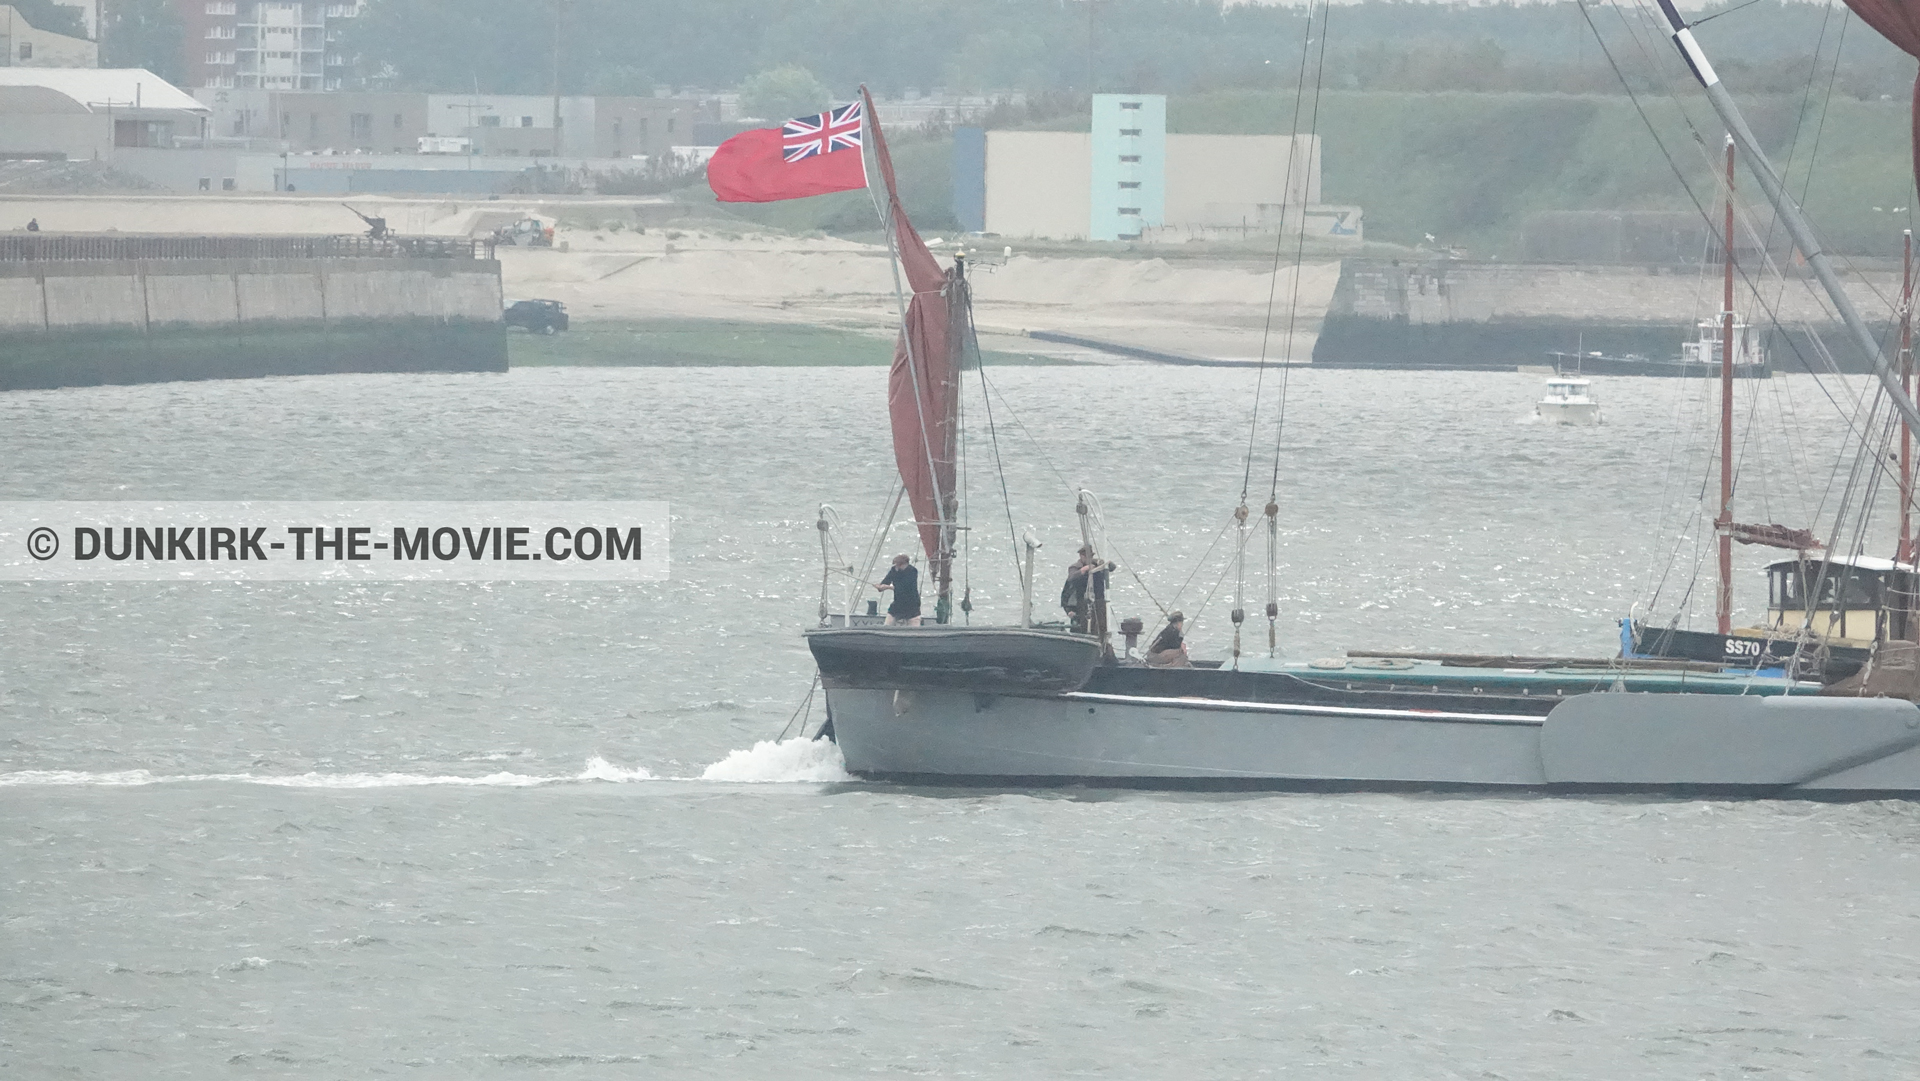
(796, 759)
(597, 769)
(769, 761)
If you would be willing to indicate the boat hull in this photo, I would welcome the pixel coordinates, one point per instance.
(1577, 414)
(1786, 746)
(1742, 651)
(1588, 364)
(989, 660)
(942, 737)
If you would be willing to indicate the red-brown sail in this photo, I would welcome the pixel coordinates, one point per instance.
(922, 390)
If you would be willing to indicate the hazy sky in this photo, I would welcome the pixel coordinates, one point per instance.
(1684, 5)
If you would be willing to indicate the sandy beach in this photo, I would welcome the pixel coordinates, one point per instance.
(609, 265)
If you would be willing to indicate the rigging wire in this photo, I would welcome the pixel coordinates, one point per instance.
(882, 529)
(1126, 563)
(1038, 447)
(1299, 251)
(1272, 508)
(1279, 243)
(993, 437)
(1852, 416)
(963, 529)
(1191, 575)
(1679, 175)
(1717, 14)
(1108, 544)
(806, 704)
(1240, 513)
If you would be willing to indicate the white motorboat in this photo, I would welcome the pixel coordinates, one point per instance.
(1569, 400)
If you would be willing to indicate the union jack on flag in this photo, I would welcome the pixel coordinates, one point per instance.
(822, 133)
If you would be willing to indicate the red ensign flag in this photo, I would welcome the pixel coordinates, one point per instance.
(809, 155)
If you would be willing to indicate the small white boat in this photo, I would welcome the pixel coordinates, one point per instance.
(1569, 400)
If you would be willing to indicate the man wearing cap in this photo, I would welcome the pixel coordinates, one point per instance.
(1169, 649)
(1081, 578)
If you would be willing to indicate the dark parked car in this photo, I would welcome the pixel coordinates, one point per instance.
(539, 316)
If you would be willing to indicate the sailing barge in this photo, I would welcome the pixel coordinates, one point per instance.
(1018, 705)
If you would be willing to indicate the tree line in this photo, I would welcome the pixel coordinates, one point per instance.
(1052, 47)
(1164, 46)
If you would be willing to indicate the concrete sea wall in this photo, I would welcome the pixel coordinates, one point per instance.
(90, 322)
(1462, 315)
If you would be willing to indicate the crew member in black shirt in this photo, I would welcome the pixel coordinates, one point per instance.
(1169, 649)
(904, 581)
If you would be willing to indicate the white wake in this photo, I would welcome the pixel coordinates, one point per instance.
(597, 769)
(769, 761)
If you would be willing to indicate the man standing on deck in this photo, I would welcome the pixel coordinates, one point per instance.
(904, 581)
(1077, 595)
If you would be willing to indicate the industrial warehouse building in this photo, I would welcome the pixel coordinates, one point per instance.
(492, 125)
(22, 45)
(1129, 179)
(88, 113)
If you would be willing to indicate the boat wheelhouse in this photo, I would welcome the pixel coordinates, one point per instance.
(1850, 601)
(1569, 400)
(1825, 616)
(1706, 348)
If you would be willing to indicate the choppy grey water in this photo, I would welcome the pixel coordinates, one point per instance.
(318, 831)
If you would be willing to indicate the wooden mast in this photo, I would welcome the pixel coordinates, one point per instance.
(959, 300)
(1723, 525)
(1905, 553)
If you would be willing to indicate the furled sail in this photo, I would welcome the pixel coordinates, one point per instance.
(923, 388)
(1899, 22)
(1775, 535)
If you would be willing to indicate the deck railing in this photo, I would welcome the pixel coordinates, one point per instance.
(48, 247)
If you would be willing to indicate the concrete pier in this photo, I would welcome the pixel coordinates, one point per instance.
(1465, 315)
(83, 311)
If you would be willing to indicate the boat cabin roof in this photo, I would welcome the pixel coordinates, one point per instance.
(1877, 564)
(1570, 384)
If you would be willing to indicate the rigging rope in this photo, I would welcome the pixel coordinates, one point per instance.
(1717, 14)
(1279, 245)
(1852, 417)
(993, 436)
(1673, 166)
(1293, 315)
